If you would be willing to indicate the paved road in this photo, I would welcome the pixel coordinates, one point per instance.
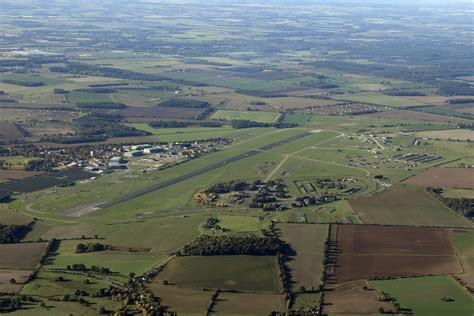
(198, 172)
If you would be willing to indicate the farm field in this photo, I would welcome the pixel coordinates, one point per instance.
(22, 256)
(20, 276)
(462, 178)
(241, 273)
(354, 298)
(182, 300)
(230, 303)
(424, 296)
(122, 260)
(255, 116)
(417, 207)
(457, 134)
(359, 107)
(376, 251)
(306, 253)
(17, 174)
(463, 242)
(378, 99)
(9, 132)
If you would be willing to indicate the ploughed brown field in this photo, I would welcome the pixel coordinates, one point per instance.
(366, 252)
(20, 276)
(17, 174)
(8, 132)
(22, 256)
(352, 298)
(307, 241)
(251, 304)
(462, 178)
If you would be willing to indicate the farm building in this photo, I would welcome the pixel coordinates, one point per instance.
(134, 153)
(153, 150)
(118, 163)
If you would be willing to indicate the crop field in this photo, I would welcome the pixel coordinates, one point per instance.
(9, 132)
(255, 116)
(24, 256)
(463, 241)
(306, 253)
(147, 114)
(378, 99)
(20, 277)
(241, 273)
(424, 296)
(462, 178)
(456, 134)
(412, 115)
(416, 207)
(353, 298)
(230, 303)
(182, 300)
(378, 251)
(17, 174)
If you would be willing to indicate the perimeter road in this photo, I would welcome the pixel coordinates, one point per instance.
(198, 172)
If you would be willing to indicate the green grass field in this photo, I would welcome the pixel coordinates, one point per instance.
(378, 99)
(117, 261)
(255, 116)
(423, 296)
(191, 133)
(243, 273)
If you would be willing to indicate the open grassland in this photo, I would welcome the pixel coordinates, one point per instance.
(255, 116)
(456, 134)
(406, 205)
(190, 133)
(335, 212)
(23, 256)
(241, 273)
(123, 182)
(368, 251)
(241, 224)
(229, 303)
(378, 99)
(352, 297)
(424, 296)
(123, 260)
(161, 235)
(462, 178)
(182, 300)
(305, 251)
(306, 299)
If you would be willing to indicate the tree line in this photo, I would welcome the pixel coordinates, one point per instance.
(232, 245)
